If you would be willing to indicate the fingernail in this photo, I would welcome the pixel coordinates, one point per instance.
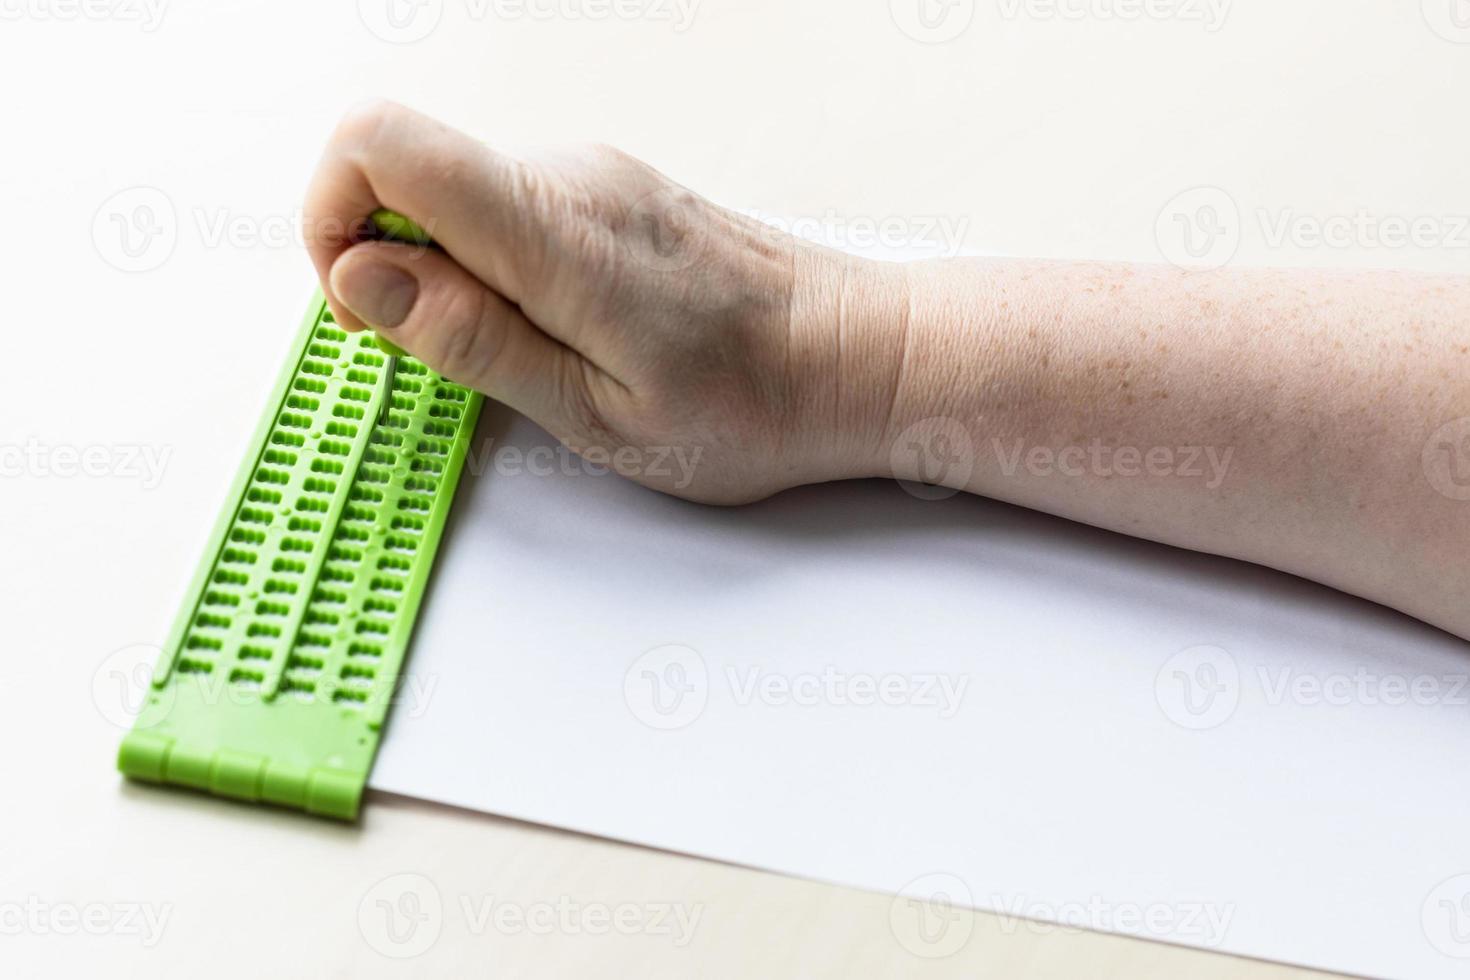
(380, 294)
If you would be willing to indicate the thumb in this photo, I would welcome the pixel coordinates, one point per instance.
(426, 303)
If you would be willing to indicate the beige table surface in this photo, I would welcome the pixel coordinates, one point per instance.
(1033, 133)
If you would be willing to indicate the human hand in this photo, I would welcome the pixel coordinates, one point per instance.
(621, 312)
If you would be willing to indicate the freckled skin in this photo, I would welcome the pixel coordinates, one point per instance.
(620, 311)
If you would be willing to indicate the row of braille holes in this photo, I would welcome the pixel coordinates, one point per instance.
(421, 484)
(260, 495)
(403, 403)
(365, 494)
(244, 677)
(416, 502)
(302, 403)
(342, 430)
(258, 629)
(238, 556)
(422, 465)
(213, 598)
(297, 544)
(313, 504)
(247, 535)
(280, 457)
(409, 523)
(361, 377)
(400, 542)
(324, 350)
(212, 621)
(438, 429)
(275, 586)
(396, 419)
(313, 385)
(379, 627)
(450, 393)
(249, 515)
(347, 412)
(375, 455)
(409, 385)
(321, 617)
(385, 606)
(359, 515)
(267, 475)
(348, 532)
(288, 566)
(412, 367)
(367, 360)
(374, 474)
(451, 412)
(292, 420)
(329, 466)
(433, 447)
(333, 448)
(381, 584)
(364, 650)
(319, 368)
(383, 438)
(319, 485)
(355, 394)
(307, 524)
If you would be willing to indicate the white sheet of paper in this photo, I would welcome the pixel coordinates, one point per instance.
(951, 696)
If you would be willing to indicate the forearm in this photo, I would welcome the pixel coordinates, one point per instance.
(1279, 417)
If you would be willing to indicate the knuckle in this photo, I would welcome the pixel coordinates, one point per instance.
(362, 123)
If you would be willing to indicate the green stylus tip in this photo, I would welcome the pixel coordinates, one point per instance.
(396, 228)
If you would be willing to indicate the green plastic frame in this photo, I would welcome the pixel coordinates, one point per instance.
(283, 661)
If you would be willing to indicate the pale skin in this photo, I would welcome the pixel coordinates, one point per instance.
(1283, 417)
